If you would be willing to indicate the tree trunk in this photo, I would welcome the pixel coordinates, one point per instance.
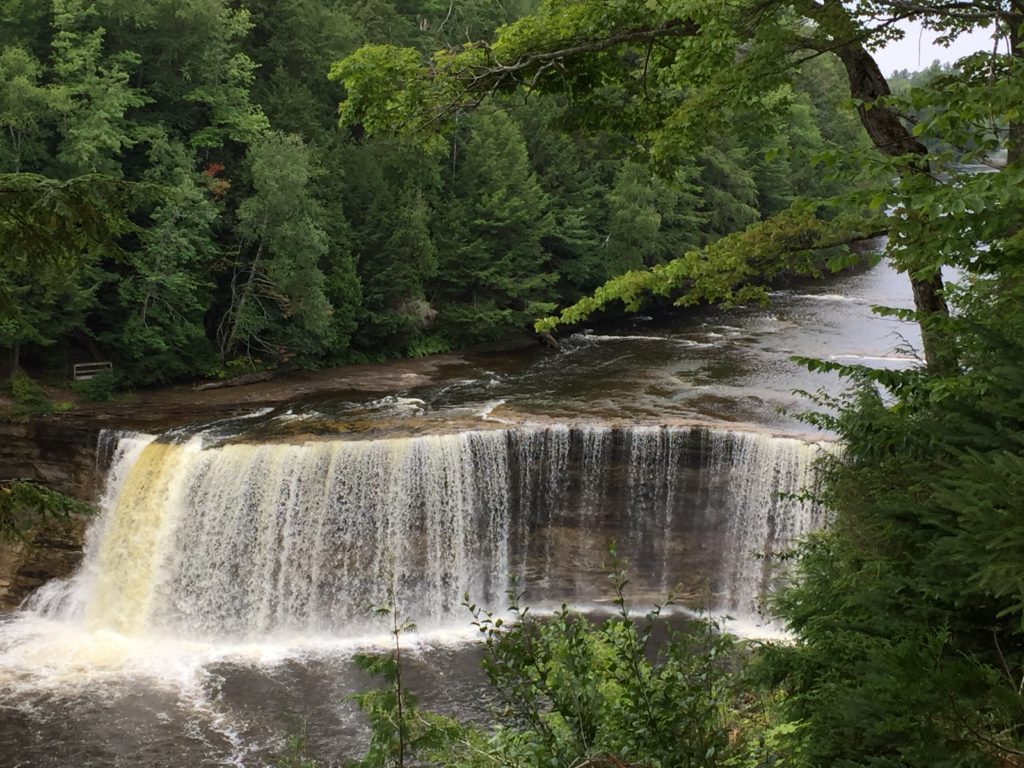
(891, 137)
(237, 381)
(1015, 145)
(15, 359)
(932, 311)
(867, 84)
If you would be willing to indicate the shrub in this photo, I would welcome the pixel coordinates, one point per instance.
(101, 388)
(569, 691)
(29, 397)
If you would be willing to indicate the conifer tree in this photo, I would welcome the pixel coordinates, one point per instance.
(495, 272)
(159, 293)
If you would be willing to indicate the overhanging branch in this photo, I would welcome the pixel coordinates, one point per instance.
(497, 75)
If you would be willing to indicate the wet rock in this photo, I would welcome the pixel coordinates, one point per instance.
(53, 550)
(62, 457)
(52, 452)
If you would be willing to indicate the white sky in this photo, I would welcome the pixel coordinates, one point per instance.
(917, 49)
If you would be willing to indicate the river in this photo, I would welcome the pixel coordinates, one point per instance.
(228, 579)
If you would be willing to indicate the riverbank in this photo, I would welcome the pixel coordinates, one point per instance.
(162, 407)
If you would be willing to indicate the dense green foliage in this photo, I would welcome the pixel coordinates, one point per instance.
(692, 79)
(909, 610)
(179, 197)
(24, 504)
(565, 690)
(568, 690)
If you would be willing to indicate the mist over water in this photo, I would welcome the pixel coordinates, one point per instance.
(228, 579)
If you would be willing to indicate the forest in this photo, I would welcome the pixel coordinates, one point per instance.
(195, 189)
(233, 223)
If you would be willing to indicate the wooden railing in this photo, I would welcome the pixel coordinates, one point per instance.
(86, 371)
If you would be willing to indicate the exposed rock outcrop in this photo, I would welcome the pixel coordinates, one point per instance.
(61, 456)
(53, 550)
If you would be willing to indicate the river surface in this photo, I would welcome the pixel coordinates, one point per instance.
(226, 582)
(732, 368)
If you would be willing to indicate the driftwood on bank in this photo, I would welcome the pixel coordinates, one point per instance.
(237, 381)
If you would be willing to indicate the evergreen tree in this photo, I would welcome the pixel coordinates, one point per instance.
(651, 219)
(294, 43)
(161, 291)
(575, 171)
(386, 198)
(493, 273)
(729, 189)
(159, 109)
(634, 221)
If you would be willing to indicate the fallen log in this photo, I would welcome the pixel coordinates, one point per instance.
(237, 381)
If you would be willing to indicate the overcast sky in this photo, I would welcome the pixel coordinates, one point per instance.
(917, 49)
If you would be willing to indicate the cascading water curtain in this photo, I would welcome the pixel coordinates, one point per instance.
(243, 540)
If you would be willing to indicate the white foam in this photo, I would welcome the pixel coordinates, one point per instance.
(289, 415)
(611, 337)
(753, 628)
(486, 412)
(40, 653)
(830, 297)
(877, 358)
(413, 403)
(743, 627)
(636, 337)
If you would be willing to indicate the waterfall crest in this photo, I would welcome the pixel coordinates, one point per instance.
(243, 540)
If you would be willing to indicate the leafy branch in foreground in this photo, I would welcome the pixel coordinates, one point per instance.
(46, 224)
(24, 504)
(736, 268)
(52, 236)
(569, 691)
(400, 733)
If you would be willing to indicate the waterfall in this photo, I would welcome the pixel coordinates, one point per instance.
(244, 540)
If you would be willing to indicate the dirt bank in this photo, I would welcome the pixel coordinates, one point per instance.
(173, 406)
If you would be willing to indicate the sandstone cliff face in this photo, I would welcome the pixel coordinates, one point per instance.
(53, 551)
(61, 456)
(56, 453)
